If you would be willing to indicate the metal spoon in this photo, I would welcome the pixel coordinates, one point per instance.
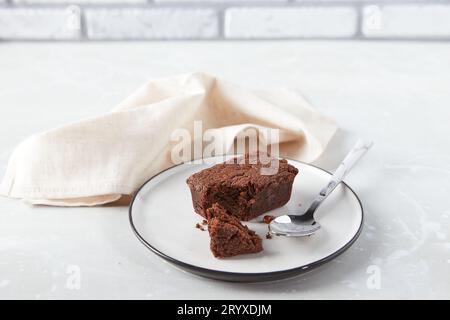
(304, 225)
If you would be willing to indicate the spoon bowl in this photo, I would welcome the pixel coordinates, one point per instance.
(304, 224)
(292, 226)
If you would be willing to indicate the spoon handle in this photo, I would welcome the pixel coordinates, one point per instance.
(360, 148)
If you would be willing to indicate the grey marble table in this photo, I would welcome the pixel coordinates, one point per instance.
(397, 94)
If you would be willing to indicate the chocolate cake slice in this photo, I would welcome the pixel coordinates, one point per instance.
(242, 187)
(228, 236)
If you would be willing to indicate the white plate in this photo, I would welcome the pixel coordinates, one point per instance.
(162, 217)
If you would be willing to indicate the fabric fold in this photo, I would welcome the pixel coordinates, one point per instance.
(95, 161)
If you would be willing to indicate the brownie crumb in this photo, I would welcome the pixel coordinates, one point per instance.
(268, 218)
(199, 226)
(204, 222)
(268, 235)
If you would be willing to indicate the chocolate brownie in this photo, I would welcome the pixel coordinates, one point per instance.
(228, 236)
(240, 187)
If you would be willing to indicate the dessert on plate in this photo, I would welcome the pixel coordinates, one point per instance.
(241, 187)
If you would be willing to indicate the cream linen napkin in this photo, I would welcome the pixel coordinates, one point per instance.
(97, 160)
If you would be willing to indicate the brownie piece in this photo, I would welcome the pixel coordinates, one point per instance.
(228, 236)
(240, 188)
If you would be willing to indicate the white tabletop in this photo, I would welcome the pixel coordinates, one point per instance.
(397, 94)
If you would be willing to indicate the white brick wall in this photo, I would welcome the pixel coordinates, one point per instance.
(79, 1)
(224, 19)
(407, 21)
(151, 23)
(290, 22)
(235, 1)
(36, 24)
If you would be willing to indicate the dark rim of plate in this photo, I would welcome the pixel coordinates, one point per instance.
(245, 276)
